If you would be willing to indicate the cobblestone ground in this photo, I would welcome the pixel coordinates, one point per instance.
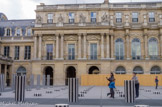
(95, 97)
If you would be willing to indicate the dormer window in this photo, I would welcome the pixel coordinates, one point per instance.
(118, 17)
(50, 18)
(71, 17)
(29, 32)
(151, 17)
(8, 32)
(18, 32)
(93, 17)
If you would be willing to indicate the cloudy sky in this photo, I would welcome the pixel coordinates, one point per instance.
(24, 9)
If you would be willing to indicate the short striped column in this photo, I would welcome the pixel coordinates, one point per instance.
(20, 88)
(2, 82)
(73, 89)
(129, 90)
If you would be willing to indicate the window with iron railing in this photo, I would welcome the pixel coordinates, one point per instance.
(50, 18)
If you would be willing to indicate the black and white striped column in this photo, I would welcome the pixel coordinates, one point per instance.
(2, 82)
(73, 89)
(20, 88)
(129, 89)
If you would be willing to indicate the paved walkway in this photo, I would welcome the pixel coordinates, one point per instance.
(95, 97)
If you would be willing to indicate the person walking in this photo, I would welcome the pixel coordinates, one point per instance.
(135, 78)
(156, 81)
(110, 79)
(112, 86)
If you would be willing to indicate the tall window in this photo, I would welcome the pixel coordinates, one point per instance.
(93, 17)
(151, 17)
(27, 52)
(136, 49)
(29, 32)
(119, 49)
(17, 50)
(8, 32)
(49, 50)
(50, 18)
(118, 17)
(7, 51)
(134, 17)
(71, 17)
(71, 51)
(93, 51)
(153, 48)
(18, 32)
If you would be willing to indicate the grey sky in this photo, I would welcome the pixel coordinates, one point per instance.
(24, 9)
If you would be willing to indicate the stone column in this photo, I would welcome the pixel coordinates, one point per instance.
(128, 50)
(35, 47)
(0, 68)
(40, 47)
(57, 46)
(62, 46)
(79, 46)
(85, 47)
(107, 47)
(146, 47)
(5, 74)
(112, 46)
(102, 46)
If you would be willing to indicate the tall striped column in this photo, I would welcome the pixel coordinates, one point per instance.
(129, 90)
(73, 89)
(20, 88)
(2, 82)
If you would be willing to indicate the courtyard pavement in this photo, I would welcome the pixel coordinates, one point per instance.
(95, 97)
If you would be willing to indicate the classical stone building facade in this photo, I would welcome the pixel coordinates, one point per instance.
(74, 39)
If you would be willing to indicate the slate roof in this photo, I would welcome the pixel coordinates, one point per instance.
(23, 24)
(3, 17)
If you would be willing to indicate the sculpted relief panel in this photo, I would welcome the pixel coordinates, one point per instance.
(93, 37)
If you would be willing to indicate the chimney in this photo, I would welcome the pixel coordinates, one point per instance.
(106, 1)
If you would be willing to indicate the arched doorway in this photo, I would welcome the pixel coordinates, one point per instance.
(94, 70)
(21, 71)
(48, 71)
(120, 70)
(70, 73)
(138, 70)
(155, 70)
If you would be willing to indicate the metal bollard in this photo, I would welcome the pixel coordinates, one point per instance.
(141, 105)
(61, 105)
